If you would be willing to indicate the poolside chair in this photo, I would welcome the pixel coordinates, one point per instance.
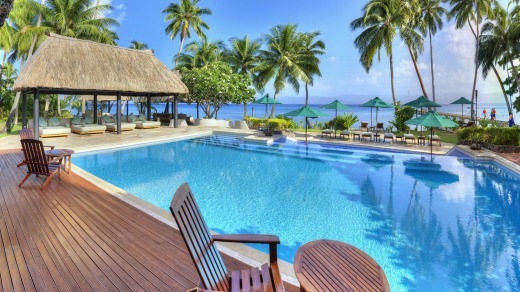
(390, 136)
(28, 134)
(345, 133)
(380, 127)
(367, 135)
(364, 126)
(409, 137)
(37, 163)
(468, 125)
(203, 250)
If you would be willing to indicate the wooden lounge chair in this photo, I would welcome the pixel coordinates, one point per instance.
(468, 124)
(28, 134)
(327, 132)
(37, 163)
(409, 137)
(203, 250)
(390, 136)
(369, 135)
(434, 138)
(380, 127)
(345, 133)
(364, 126)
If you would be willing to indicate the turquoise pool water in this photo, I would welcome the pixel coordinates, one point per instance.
(451, 224)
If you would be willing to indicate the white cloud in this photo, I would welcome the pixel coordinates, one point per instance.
(332, 59)
(372, 78)
(118, 12)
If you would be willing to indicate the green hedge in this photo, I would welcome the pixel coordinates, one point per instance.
(272, 124)
(496, 136)
(277, 124)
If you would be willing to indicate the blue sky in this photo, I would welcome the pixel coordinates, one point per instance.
(343, 76)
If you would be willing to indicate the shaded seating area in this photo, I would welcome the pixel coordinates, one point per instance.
(36, 161)
(142, 123)
(69, 66)
(206, 257)
(113, 125)
(52, 127)
(86, 125)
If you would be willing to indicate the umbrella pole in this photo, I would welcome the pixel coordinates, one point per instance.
(306, 126)
(370, 117)
(462, 107)
(335, 127)
(431, 144)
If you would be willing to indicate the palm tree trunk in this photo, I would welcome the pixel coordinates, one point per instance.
(14, 107)
(515, 73)
(476, 70)
(59, 106)
(245, 109)
(3, 64)
(307, 100)
(180, 50)
(392, 78)
(502, 87)
(431, 67)
(272, 106)
(417, 72)
(46, 110)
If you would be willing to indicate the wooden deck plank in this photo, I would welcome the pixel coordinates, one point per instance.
(75, 236)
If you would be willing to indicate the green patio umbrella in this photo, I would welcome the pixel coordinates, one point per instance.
(433, 120)
(421, 102)
(266, 100)
(377, 103)
(306, 112)
(336, 105)
(462, 101)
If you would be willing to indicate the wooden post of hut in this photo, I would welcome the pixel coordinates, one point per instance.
(149, 107)
(118, 113)
(175, 114)
(24, 111)
(36, 114)
(95, 109)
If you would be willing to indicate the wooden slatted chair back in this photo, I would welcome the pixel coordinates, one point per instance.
(26, 134)
(35, 157)
(198, 239)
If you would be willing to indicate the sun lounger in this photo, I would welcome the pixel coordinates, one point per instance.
(367, 134)
(86, 126)
(390, 136)
(434, 138)
(327, 132)
(52, 128)
(111, 124)
(141, 122)
(409, 137)
(344, 133)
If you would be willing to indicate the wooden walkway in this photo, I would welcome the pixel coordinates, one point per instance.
(74, 236)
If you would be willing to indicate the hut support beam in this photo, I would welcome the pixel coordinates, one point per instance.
(176, 108)
(36, 114)
(95, 110)
(24, 111)
(173, 116)
(119, 113)
(127, 108)
(148, 107)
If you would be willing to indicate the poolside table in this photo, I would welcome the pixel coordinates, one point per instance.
(329, 265)
(65, 153)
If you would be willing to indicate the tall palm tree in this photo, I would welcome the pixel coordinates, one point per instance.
(472, 12)
(200, 54)
(500, 39)
(6, 43)
(430, 22)
(381, 19)
(183, 18)
(5, 8)
(243, 57)
(136, 45)
(281, 61)
(311, 49)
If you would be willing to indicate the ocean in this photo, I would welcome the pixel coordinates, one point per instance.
(236, 111)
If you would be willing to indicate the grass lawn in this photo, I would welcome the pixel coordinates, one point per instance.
(15, 130)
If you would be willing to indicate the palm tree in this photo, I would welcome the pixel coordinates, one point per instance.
(431, 21)
(6, 43)
(472, 12)
(200, 54)
(500, 40)
(381, 19)
(183, 17)
(311, 48)
(282, 61)
(136, 45)
(243, 57)
(5, 8)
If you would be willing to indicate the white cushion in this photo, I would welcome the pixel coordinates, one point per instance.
(410, 136)
(434, 137)
(367, 134)
(88, 128)
(345, 132)
(124, 127)
(147, 124)
(389, 135)
(327, 131)
(54, 131)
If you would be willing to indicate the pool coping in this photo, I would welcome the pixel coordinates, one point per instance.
(240, 251)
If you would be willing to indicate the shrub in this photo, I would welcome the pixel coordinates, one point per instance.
(276, 124)
(484, 123)
(401, 115)
(256, 122)
(343, 122)
(290, 123)
(496, 136)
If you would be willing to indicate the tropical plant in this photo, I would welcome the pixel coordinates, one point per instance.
(342, 122)
(5, 8)
(137, 45)
(401, 115)
(283, 61)
(183, 18)
(472, 12)
(243, 57)
(311, 49)
(381, 21)
(200, 54)
(215, 85)
(430, 21)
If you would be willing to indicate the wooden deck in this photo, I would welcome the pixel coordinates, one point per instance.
(75, 236)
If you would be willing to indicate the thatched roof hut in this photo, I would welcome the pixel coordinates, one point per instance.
(72, 66)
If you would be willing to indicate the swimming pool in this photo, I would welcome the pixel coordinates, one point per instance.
(448, 224)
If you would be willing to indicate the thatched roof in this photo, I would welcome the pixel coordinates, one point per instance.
(72, 66)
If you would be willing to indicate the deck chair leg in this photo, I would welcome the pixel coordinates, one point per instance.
(21, 164)
(24, 179)
(48, 179)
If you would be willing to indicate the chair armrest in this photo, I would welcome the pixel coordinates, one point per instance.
(247, 238)
(272, 240)
(56, 160)
(49, 146)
